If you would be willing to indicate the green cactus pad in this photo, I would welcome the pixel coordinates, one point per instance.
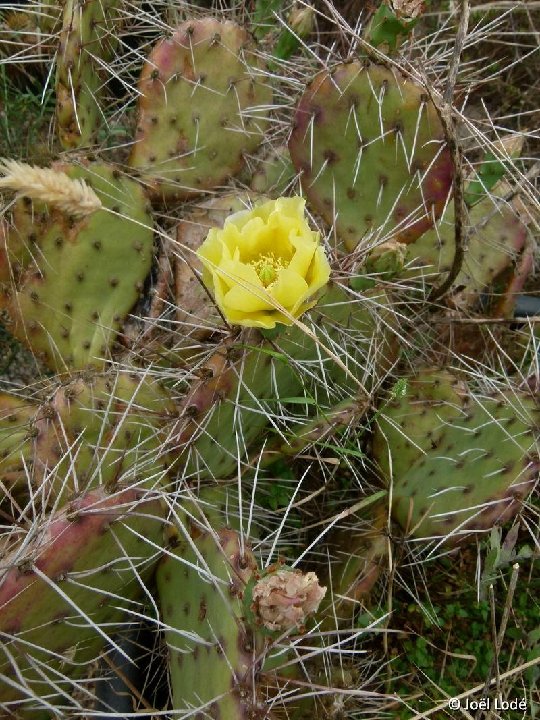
(203, 104)
(77, 572)
(212, 653)
(318, 430)
(101, 431)
(275, 173)
(71, 283)
(412, 424)
(495, 239)
(88, 41)
(371, 151)
(483, 465)
(16, 442)
(14, 252)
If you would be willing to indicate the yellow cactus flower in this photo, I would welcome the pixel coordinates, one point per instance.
(266, 265)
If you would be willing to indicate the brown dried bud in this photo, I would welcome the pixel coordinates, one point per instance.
(407, 9)
(283, 599)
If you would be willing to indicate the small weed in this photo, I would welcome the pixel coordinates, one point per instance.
(24, 118)
(451, 650)
(278, 494)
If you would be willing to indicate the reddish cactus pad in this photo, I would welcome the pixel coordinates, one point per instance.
(74, 574)
(203, 103)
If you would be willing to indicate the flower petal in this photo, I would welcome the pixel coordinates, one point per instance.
(319, 272)
(303, 256)
(263, 319)
(245, 289)
(289, 290)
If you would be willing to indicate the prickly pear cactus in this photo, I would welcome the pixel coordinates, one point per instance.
(103, 430)
(29, 30)
(246, 380)
(88, 41)
(276, 347)
(497, 241)
(275, 173)
(371, 151)
(410, 425)
(219, 610)
(203, 103)
(16, 445)
(67, 284)
(460, 487)
(213, 654)
(457, 461)
(63, 589)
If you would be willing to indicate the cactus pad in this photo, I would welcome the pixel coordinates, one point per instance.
(213, 654)
(371, 151)
(16, 443)
(471, 470)
(101, 431)
(202, 105)
(275, 173)
(247, 379)
(411, 425)
(87, 42)
(61, 595)
(67, 285)
(495, 239)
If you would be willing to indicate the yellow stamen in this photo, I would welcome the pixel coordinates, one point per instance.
(267, 268)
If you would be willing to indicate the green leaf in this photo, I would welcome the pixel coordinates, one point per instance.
(279, 468)
(366, 502)
(297, 400)
(263, 20)
(267, 351)
(488, 175)
(492, 561)
(386, 29)
(286, 45)
(361, 283)
(343, 450)
(525, 553)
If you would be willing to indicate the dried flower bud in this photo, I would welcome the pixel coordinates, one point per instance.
(283, 599)
(407, 9)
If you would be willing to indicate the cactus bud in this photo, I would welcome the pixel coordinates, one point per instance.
(387, 259)
(302, 20)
